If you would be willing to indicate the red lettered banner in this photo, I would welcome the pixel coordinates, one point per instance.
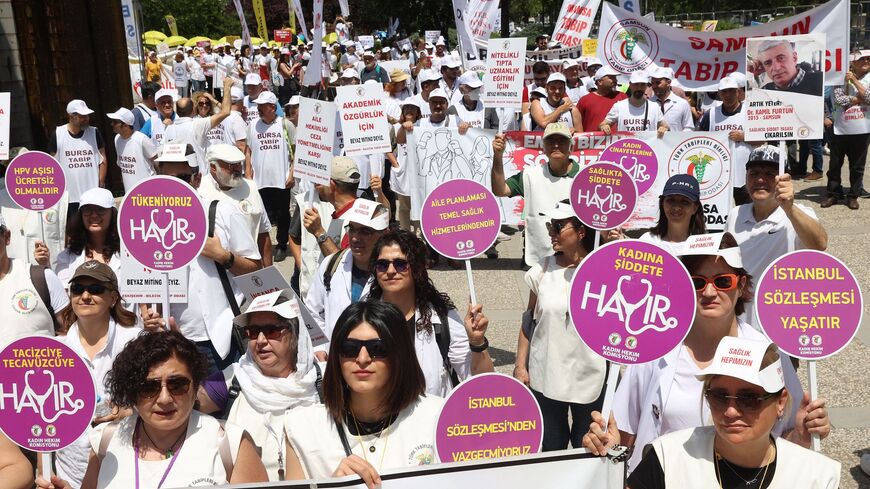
(575, 21)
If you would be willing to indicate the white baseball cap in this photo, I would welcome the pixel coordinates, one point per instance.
(569, 63)
(264, 45)
(166, 92)
(471, 79)
(124, 115)
(429, 45)
(450, 62)
(662, 72)
(604, 71)
(368, 54)
(97, 196)
(563, 210)
(253, 79)
(739, 78)
(429, 75)
(224, 152)
(639, 77)
(294, 100)
(236, 94)
(741, 358)
(282, 303)
(386, 50)
(726, 83)
(78, 107)
(348, 44)
(440, 42)
(350, 73)
(438, 93)
(593, 62)
(266, 97)
(368, 213)
(708, 245)
(556, 77)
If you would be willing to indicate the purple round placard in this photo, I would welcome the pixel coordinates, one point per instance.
(460, 219)
(47, 394)
(603, 196)
(488, 416)
(162, 223)
(637, 158)
(809, 303)
(632, 302)
(35, 181)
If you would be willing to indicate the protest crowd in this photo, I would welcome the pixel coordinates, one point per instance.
(241, 391)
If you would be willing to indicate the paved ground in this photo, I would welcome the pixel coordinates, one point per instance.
(500, 288)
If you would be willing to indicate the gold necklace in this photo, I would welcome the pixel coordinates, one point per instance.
(371, 447)
(717, 457)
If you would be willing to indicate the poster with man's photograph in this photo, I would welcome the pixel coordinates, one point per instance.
(785, 82)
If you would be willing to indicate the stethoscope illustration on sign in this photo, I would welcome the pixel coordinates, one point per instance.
(61, 393)
(654, 306)
(636, 170)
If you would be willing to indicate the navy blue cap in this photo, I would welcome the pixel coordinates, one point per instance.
(683, 184)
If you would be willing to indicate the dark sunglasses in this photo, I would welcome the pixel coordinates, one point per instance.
(270, 331)
(204, 104)
(184, 177)
(350, 348)
(400, 264)
(93, 289)
(723, 282)
(556, 227)
(719, 400)
(177, 386)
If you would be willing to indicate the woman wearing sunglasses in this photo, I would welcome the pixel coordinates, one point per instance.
(166, 443)
(276, 374)
(98, 328)
(563, 373)
(375, 415)
(660, 397)
(744, 389)
(449, 349)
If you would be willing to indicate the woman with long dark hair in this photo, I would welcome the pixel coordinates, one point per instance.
(449, 348)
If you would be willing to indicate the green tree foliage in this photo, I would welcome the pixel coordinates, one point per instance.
(210, 18)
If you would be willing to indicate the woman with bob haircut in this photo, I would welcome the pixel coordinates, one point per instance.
(375, 415)
(166, 443)
(398, 263)
(745, 391)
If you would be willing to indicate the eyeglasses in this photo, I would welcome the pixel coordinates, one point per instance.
(400, 264)
(177, 386)
(350, 348)
(93, 289)
(556, 227)
(723, 282)
(204, 104)
(270, 331)
(719, 400)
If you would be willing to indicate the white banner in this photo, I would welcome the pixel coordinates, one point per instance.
(297, 7)
(575, 21)
(432, 36)
(573, 469)
(5, 112)
(246, 33)
(141, 285)
(630, 5)
(505, 67)
(363, 120)
(313, 71)
(785, 92)
(133, 40)
(314, 141)
(628, 43)
(479, 16)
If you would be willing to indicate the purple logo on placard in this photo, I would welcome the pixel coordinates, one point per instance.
(47, 395)
(637, 158)
(632, 302)
(460, 219)
(35, 181)
(603, 196)
(809, 303)
(488, 416)
(162, 223)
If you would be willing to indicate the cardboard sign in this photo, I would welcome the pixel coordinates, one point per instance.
(809, 303)
(283, 35)
(460, 219)
(785, 87)
(314, 141)
(363, 119)
(141, 285)
(162, 223)
(5, 111)
(603, 196)
(367, 42)
(488, 416)
(637, 158)
(590, 47)
(432, 36)
(503, 80)
(35, 181)
(632, 302)
(47, 394)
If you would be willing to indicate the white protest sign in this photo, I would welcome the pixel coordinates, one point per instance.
(432, 36)
(314, 141)
(5, 110)
(367, 42)
(313, 72)
(162, 48)
(363, 119)
(141, 285)
(503, 80)
(575, 21)
(785, 87)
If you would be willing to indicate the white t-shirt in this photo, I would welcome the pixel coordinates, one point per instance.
(270, 157)
(685, 407)
(195, 68)
(21, 308)
(429, 356)
(80, 159)
(180, 73)
(734, 122)
(629, 118)
(677, 113)
(670, 247)
(234, 128)
(134, 154)
(193, 131)
(244, 197)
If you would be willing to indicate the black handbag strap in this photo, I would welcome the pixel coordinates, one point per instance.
(225, 281)
(343, 437)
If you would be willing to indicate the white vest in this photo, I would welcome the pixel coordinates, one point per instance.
(157, 129)
(311, 254)
(855, 119)
(567, 117)
(686, 458)
(474, 118)
(542, 192)
(198, 461)
(252, 114)
(132, 160)
(186, 129)
(22, 310)
(270, 157)
(80, 160)
(736, 122)
(243, 197)
(409, 441)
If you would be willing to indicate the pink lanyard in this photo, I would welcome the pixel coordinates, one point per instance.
(136, 460)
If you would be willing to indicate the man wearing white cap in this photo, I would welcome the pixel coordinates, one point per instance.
(135, 151)
(574, 86)
(349, 59)
(266, 64)
(676, 110)
(372, 70)
(344, 278)
(450, 68)
(30, 296)
(470, 108)
(557, 106)
(268, 164)
(80, 150)
(729, 116)
(349, 77)
(440, 54)
(592, 66)
(155, 127)
(233, 130)
(254, 86)
(636, 113)
(225, 181)
(429, 81)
